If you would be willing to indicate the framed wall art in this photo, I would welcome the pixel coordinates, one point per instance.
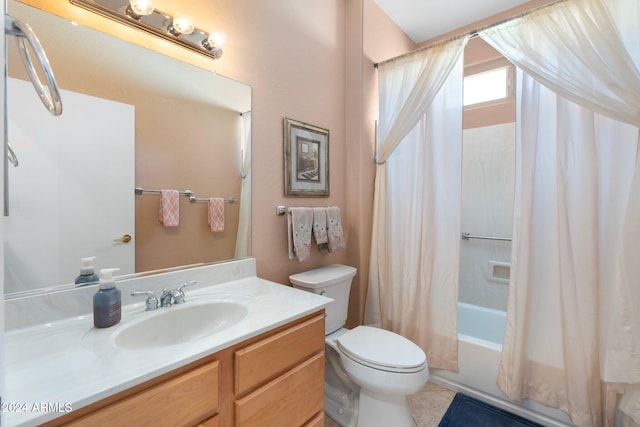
(306, 160)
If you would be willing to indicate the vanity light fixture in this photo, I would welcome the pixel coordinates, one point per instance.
(142, 15)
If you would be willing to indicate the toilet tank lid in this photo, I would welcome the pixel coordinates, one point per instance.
(323, 276)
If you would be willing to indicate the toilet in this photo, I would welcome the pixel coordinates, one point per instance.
(369, 372)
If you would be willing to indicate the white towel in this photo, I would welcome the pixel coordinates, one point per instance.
(299, 224)
(169, 212)
(334, 229)
(320, 228)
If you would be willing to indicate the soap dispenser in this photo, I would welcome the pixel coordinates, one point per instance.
(107, 301)
(87, 273)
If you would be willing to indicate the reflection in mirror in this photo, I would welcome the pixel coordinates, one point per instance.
(132, 117)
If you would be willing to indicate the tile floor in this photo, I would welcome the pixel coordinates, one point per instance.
(428, 406)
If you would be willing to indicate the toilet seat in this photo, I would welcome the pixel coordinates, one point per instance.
(381, 349)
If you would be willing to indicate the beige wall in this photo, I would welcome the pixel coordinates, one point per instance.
(379, 39)
(192, 148)
(293, 54)
(316, 66)
(311, 61)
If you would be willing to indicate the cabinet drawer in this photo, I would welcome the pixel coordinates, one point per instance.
(266, 359)
(290, 400)
(185, 400)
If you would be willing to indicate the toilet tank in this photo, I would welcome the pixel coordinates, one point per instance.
(333, 281)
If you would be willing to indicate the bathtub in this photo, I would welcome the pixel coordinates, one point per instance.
(480, 332)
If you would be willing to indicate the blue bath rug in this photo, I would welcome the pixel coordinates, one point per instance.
(466, 411)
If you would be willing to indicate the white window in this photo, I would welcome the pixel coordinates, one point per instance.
(485, 86)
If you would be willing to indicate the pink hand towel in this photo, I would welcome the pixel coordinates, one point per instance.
(216, 214)
(169, 208)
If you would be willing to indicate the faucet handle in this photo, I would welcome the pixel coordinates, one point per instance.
(152, 301)
(166, 299)
(189, 283)
(178, 295)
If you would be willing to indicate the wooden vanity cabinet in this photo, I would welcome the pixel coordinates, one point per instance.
(189, 396)
(279, 380)
(274, 379)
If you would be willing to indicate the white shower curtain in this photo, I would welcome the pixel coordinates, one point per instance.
(572, 322)
(243, 238)
(416, 231)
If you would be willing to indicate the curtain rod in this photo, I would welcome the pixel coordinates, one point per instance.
(472, 33)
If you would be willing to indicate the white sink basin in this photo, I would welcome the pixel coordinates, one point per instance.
(180, 324)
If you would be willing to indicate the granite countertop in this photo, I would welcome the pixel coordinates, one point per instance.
(67, 364)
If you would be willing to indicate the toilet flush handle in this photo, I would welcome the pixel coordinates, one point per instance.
(323, 292)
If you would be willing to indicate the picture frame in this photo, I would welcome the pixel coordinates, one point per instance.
(306, 160)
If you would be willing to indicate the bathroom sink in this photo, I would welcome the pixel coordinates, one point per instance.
(180, 324)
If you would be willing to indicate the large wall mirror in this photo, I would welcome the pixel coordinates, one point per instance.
(131, 117)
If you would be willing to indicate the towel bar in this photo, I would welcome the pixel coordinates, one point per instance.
(194, 199)
(467, 236)
(139, 191)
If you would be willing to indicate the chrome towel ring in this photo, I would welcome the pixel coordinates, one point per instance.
(21, 30)
(50, 96)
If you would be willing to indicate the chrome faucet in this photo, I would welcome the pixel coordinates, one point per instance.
(168, 297)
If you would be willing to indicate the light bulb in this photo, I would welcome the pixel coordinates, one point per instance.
(182, 24)
(217, 39)
(141, 7)
(213, 43)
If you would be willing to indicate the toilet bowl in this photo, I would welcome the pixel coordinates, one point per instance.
(369, 371)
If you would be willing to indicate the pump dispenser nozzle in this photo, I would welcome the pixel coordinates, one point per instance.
(87, 273)
(106, 278)
(87, 265)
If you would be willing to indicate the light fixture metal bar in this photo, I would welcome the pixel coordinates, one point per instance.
(156, 24)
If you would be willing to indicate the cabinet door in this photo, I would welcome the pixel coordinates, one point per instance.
(185, 400)
(290, 400)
